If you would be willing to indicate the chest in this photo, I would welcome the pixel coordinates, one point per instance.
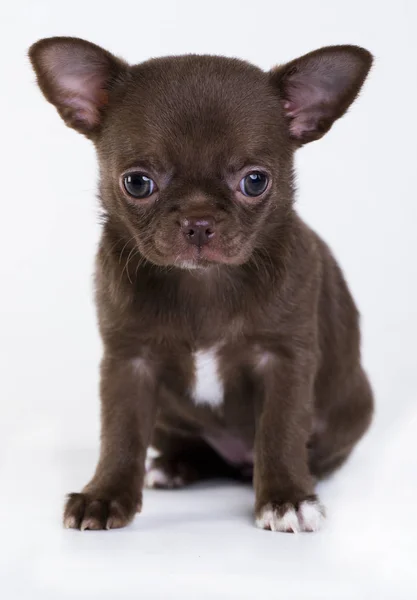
(217, 396)
(207, 385)
(225, 373)
(218, 383)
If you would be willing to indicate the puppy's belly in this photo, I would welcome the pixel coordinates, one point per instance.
(208, 389)
(231, 448)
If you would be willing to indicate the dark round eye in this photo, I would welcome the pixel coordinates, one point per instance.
(254, 184)
(138, 185)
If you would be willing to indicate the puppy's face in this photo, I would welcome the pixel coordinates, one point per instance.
(193, 157)
(195, 152)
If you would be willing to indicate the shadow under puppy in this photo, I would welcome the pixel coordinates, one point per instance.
(231, 340)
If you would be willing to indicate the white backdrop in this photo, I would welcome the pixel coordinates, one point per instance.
(357, 187)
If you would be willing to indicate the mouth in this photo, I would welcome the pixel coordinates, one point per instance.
(200, 257)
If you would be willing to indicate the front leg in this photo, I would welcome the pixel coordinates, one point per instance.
(284, 487)
(128, 403)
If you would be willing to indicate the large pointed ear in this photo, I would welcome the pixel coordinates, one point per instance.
(319, 87)
(76, 76)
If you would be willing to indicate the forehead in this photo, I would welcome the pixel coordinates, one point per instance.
(196, 111)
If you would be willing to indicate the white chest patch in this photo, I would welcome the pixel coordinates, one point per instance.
(208, 387)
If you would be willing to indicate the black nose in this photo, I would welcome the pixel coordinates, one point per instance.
(198, 230)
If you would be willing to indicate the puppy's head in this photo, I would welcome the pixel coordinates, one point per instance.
(195, 152)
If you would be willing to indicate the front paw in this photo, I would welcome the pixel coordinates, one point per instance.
(99, 511)
(308, 515)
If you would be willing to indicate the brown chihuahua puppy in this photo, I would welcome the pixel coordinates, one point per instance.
(231, 340)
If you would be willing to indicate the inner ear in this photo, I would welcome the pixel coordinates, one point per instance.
(76, 76)
(318, 88)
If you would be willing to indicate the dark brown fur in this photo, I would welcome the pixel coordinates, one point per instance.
(270, 297)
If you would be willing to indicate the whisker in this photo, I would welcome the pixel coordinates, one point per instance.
(127, 264)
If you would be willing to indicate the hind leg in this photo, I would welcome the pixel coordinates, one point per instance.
(340, 425)
(182, 460)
